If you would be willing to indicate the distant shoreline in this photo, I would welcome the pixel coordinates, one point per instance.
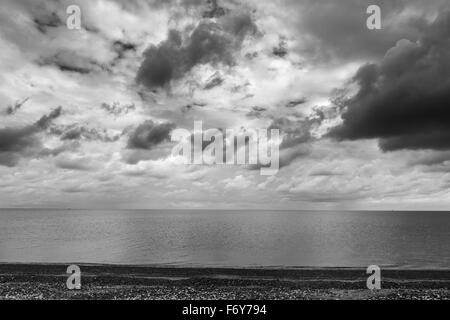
(228, 209)
(99, 281)
(218, 267)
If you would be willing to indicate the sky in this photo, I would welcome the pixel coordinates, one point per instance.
(86, 115)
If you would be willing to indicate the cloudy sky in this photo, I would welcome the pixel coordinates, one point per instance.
(86, 115)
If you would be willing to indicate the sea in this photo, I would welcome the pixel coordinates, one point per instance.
(218, 238)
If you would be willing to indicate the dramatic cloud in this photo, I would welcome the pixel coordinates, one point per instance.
(404, 101)
(149, 134)
(209, 43)
(18, 142)
(333, 31)
(232, 64)
(17, 139)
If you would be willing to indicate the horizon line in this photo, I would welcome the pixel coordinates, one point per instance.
(221, 209)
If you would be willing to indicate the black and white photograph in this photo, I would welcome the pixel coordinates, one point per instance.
(224, 150)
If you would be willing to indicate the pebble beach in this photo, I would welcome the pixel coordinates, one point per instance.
(111, 282)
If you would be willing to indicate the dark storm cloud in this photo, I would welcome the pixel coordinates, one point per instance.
(405, 100)
(210, 42)
(17, 139)
(18, 142)
(149, 134)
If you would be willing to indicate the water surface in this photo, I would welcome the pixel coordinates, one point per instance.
(227, 238)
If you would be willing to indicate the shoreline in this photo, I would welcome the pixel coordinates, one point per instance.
(105, 281)
(404, 268)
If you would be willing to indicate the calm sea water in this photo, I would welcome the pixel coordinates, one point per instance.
(227, 238)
